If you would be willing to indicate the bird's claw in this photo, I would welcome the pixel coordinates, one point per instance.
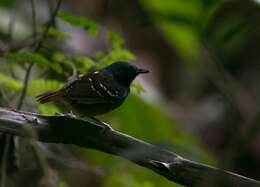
(106, 127)
(32, 120)
(69, 114)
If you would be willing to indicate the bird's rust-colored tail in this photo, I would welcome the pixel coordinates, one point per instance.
(49, 96)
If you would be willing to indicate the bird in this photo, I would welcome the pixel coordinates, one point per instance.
(97, 92)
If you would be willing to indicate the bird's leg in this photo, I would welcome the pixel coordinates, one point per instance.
(59, 114)
(101, 123)
(71, 114)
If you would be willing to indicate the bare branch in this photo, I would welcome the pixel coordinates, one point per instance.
(29, 69)
(66, 130)
(25, 86)
(49, 24)
(33, 17)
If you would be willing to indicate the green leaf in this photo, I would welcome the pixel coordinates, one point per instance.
(88, 25)
(57, 67)
(114, 55)
(126, 179)
(84, 63)
(99, 55)
(138, 88)
(53, 32)
(38, 86)
(186, 10)
(115, 39)
(63, 184)
(58, 56)
(7, 3)
(27, 57)
(144, 184)
(184, 38)
(10, 83)
(209, 10)
(48, 108)
(179, 21)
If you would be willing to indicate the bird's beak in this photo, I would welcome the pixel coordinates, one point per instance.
(139, 71)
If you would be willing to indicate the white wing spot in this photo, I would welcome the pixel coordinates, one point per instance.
(92, 87)
(109, 93)
(81, 76)
(102, 86)
(95, 90)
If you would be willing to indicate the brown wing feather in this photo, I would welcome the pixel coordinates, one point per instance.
(95, 87)
(82, 91)
(49, 96)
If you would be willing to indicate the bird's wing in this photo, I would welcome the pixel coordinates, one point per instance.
(82, 90)
(96, 87)
(108, 87)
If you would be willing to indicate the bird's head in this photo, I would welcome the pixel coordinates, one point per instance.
(125, 72)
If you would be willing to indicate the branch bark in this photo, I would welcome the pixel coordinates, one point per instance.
(66, 130)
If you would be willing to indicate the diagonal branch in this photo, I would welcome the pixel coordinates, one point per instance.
(66, 130)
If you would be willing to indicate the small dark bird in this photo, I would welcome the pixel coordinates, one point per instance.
(97, 92)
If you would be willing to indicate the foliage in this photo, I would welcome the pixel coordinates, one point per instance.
(27, 57)
(43, 85)
(114, 55)
(56, 33)
(63, 184)
(115, 39)
(88, 25)
(188, 26)
(9, 83)
(178, 20)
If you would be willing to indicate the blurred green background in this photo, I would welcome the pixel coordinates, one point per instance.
(200, 101)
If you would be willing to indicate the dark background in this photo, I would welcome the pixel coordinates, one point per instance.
(201, 98)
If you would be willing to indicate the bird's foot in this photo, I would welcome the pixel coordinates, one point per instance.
(105, 126)
(69, 114)
(30, 119)
(59, 114)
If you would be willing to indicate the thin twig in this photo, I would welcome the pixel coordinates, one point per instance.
(28, 72)
(240, 98)
(38, 155)
(11, 25)
(30, 40)
(33, 17)
(25, 86)
(49, 24)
